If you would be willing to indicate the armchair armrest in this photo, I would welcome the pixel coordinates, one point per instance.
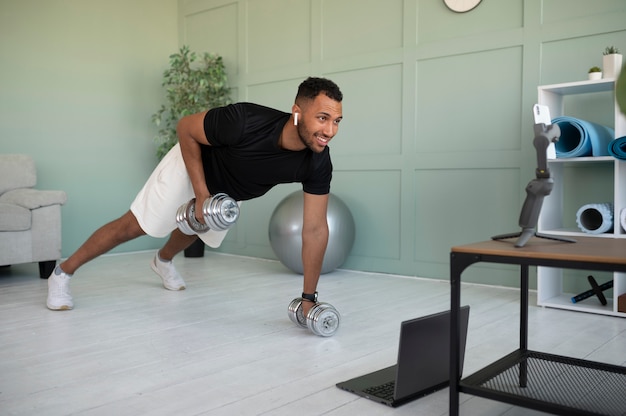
(33, 198)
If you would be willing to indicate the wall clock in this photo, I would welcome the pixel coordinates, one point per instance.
(461, 6)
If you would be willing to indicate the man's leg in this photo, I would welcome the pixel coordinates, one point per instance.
(104, 239)
(107, 237)
(177, 242)
(119, 231)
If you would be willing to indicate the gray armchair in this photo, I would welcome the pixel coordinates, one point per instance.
(30, 219)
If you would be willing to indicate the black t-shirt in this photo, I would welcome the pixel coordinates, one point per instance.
(245, 161)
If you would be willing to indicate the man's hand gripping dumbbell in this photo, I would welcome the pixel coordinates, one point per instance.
(219, 212)
(322, 318)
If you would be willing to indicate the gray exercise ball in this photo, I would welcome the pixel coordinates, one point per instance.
(285, 232)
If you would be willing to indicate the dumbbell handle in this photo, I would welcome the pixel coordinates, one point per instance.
(219, 212)
(186, 219)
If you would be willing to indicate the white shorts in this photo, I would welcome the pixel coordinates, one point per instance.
(167, 188)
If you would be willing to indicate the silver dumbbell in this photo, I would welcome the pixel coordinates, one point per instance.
(220, 212)
(323, 319)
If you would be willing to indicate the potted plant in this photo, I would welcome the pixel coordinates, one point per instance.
(611, 62)
(595, 72)
(191, 87)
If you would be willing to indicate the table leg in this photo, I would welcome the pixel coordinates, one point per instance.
(455, 304)
(523, 323)
(458, 263)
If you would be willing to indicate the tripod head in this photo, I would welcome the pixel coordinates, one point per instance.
(544, 136)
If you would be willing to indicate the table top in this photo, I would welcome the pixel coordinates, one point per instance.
(597, 250)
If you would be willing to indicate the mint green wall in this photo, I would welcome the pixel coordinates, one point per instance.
(435, 148)
(80, 80)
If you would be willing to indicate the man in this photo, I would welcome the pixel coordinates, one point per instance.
(242, 150)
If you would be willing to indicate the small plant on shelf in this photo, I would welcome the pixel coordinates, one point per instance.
(595, 73)
(610, 50)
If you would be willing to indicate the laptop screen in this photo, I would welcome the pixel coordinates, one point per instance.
(424, 352)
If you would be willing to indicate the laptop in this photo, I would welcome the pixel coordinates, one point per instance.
(423, 364)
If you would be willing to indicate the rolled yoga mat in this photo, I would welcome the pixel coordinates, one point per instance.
(622, 219)
(617, 148)
(582, 138)
(595, 218)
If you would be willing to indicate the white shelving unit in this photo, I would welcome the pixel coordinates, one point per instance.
(550, 280)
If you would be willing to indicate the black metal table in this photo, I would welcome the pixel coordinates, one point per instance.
(536, 380)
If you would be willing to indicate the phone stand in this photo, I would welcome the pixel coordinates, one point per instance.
(537, 189)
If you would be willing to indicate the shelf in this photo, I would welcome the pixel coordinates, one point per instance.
(570, 232)
(551, 383)
(585, 159)
(580, 87)
(564, 301)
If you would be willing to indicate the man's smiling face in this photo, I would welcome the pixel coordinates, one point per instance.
(319, 121)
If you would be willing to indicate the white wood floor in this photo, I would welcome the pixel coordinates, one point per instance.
(225, 346)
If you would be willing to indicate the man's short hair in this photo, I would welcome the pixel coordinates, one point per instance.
(312, 87)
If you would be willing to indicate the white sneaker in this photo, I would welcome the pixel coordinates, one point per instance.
(166, 270)
(59, 296)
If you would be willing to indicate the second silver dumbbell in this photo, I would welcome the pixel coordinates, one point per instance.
(323, 319)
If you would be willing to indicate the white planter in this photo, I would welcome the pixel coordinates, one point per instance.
(595, 75)
(611, 65)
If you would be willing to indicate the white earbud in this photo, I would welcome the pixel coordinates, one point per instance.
(295, 119)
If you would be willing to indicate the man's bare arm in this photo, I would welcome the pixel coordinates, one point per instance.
(191, 135)
(314, 241)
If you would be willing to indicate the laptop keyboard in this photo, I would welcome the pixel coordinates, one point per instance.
(384, 391)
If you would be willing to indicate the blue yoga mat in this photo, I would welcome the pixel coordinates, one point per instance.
(617, 148)
(582, 138)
